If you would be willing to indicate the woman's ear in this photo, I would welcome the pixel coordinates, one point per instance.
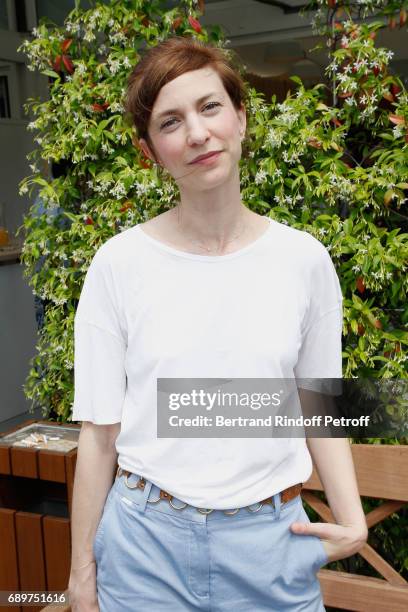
(242, 120)
(142, 144)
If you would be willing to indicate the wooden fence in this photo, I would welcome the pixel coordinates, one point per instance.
(382, 472)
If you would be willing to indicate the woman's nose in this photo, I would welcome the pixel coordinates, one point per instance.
(197, 132)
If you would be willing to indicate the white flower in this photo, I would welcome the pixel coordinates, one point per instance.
(32, 125)
(260, 177)
(23, 189)
(118, 190)
(81, 68)
(114, 65)
(356, 268)
(126, 62)
(89, 36)
(116, 107)
(397, 131)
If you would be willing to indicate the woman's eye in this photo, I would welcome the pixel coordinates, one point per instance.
(212, 105)
(208, 106)
(167, 124)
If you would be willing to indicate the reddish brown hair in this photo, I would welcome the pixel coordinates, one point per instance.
(167, 61)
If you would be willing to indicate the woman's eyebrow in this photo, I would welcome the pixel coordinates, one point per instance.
(176, 110)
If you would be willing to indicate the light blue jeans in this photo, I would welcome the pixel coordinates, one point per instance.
(151, 557)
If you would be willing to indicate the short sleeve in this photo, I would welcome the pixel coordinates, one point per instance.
(320, 354)
(99, 349)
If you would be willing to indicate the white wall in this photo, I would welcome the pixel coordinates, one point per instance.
(18, 328)
(18, 336)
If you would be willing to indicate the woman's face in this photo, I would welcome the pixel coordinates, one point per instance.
(193, 115)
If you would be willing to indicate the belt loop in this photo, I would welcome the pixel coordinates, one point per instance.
(277, 504)
(146, 492)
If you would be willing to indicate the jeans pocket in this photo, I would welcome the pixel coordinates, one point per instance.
(323, 556)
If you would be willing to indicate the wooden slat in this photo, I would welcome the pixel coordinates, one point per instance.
(361, 593)
(318, 506)
(381, 565)
(30, 554)
(24, 462)
(57, 546)
(51, 466)
(9, 578)
(379, 514)
(8, 552)
(5, 464)
(381, 471)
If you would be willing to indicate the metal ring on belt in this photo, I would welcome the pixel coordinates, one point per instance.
(285, 495)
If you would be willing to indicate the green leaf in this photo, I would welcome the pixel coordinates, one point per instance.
(50, 73)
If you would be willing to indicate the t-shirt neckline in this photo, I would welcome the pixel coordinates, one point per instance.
(198, 257)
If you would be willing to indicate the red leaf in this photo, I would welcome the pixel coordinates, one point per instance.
(392, 23)
(396, 89)
(89, 221)
(195, 24)
(126, 206)
(360, 284)
(65, 45)
(145, 22)
(336, 121)
(377, 324)
(57, 64)
(100, 107)
(388, 96)
(68, 64)
(314, 143)
(397, 119)
(177, 23)
(145, 163)
(361, 330)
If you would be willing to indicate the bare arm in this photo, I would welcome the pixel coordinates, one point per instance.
(94, 472)
(334, 463)
(96, 461)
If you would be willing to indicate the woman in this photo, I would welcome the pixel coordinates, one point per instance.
(207, 289)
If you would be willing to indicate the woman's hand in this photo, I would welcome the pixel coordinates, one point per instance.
(82, 589)
(339, 541)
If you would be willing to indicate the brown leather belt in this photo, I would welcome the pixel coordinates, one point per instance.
(285, 495)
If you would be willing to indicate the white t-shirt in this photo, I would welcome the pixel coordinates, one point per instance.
(271, 309)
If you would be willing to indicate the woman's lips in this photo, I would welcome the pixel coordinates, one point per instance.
(207, 160)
